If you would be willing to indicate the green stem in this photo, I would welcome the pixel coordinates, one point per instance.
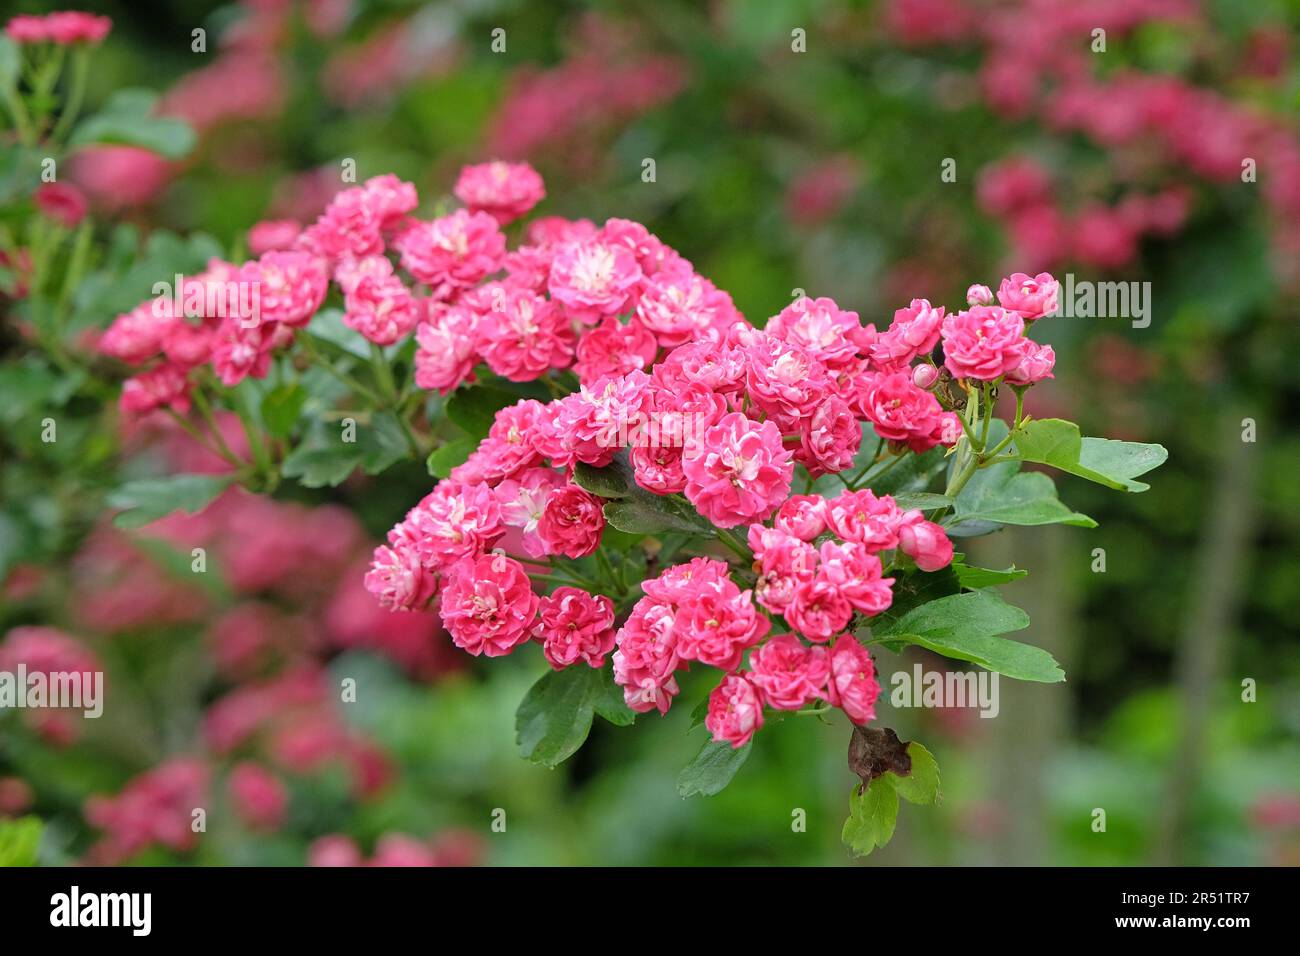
(606, 570)
(199, 437)
(80, 71)
(416, 448)
(813, 712)
(245, 411)
(878, 475)
(22, 123)
(383, 373)
(730, 540)
(343, 377)
(988, 415)
(205, 410)
(574, 576)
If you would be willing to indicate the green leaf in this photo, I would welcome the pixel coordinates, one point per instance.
(965, 627)
(613, 481)
(382, 442)
(972, 579)
(19, 841)
(872, 816)
(921, 785)
(150, 499)
(442, 460)
(632, 509)
(712, 769)
(127, 119)
(281, 407)
(1055, 442)
(913, 474)
(555, 715)
(648, 513)
(1002, 494)
(474, 409)
(914, 587)
(322, 466)
(327, 326)
(921, 499)
(698, 714)
(609, 702)
(10, 63)
(379, 444)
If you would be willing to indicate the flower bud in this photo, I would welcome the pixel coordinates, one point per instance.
(979, 295)
(925, 376)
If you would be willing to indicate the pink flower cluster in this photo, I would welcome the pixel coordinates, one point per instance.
(678, 392)
(46, 650)
(817, 588)
(155, 808)
(987, 342)
(573, 105)
(234, 318)
(450, 848)
(1032, 65)
(64, 28)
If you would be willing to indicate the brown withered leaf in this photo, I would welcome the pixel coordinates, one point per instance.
(872, 752)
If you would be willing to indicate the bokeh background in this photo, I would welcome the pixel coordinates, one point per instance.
(797, 145)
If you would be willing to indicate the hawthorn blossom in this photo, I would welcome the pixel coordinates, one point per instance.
(984, 342)
(613, 349)
(594, 422)
(856, 573)
(452, 252)
(523, 499)
(446, 355)
(524, 337)
(575, 626)
(593, 279)
(735, 711)
(488, 605)
(647, 656)
(290, 285)
(399, 579)
(505, 191)
(1030, 297)
(924, 542)
(783, 563)
(679, 307)
(803, 516)
(453, 521)
(783, 380)
(739, 472)
(1037, 365)
(901, 412)
(571, 522)
(819, 327)
(829, 438)
(259, 797)
(863, 517)
(818, 609)
(718, 624)
(61, 202)
(788, 673)
(852, 685)
(914, 332)
(163, 386)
